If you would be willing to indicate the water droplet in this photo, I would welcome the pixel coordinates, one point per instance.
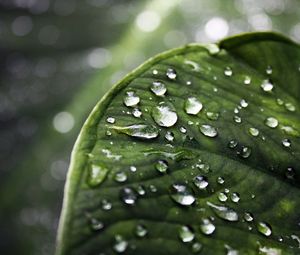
(188, 83)
(132, 168)
(244, 103)
(212, 48)
(196, 247)
(164, 114)
(192, 106)
(235, 197)
(271, 122)
(128, 196)
(96, 224)
(286, 142)
(290, 131)
(207, 227)
(244, 152)
(253, 131)
(169, 136)
(155, 72)
(224, 213)
(269, 70)
(182, 130)
(201, 182)
(264, 228)
(228, 71)
(120, 177)
(153, 188)
(141, 230)
(120, 245)
(290, 107)
(290, 173)
(269, 251)
(208, 130)
(97, 174)
(232, 144)
(161, 166)
(220, 180)
(248, 217)
(106, 205)
(136, 112)
(212, 115)
(141, 190)
(267, 86)
(237, 119)
(158, 88)
(186, 235)
(222, 196)
(131, 99)
(247, 80)
(138, 130)
(171, 74)
(181, 194)
(110, 120)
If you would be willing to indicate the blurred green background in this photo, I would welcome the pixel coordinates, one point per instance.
(58, 58)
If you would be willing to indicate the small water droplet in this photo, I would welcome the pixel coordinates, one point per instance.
(244, 103)
(138, 130)
(253, 131)
(171, 74)
(244, 152)
(192, 106)
(196, 247)
(132, 168)
(158, 88)
(120, 245)
(286, 142)
(181, 194)
(222, 196)
(153, 188)
(161, 166)
(201, 181)
(120, 177)
(269, 70)
(224, 212)
(264, 228)
(169, 136)
(136, 112)
(220, 180)
(248, 216)
(141, 230)
(279, 101)
(212, 48)
(110, 120)
(290, 173)
(271, 122)
(128, 196)
(212, 115)
(232, 144)
(106, 205)
(237, 119)
(97, 174)
(131, 99)
(208, 130)
(188, 83)
(186, 235)
(290, 131)
(155, 72)
(96, 224)
(207, 227)
(235, 197)
(247, 80)
(164, 114)
(228, 71)
(290, 107)
(141, 190)
(182, 130)
(267, 86)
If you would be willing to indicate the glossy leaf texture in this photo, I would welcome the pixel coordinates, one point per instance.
(195, 152)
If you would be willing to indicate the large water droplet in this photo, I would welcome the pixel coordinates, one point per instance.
(192, 106)
(164, 114)
(201, 182)
(120, 244)
(186, 235)
(171, 74)
(158, 88)
(208, 130)
(207, 227)
(138, 130)
(271, 122)
(264, 228)
(128, 196)
(181, 194)
(224, 212)
(161, 166)
(97, 174)
(131, 99)
(267, 86)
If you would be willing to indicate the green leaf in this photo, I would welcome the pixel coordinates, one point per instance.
(195, 152)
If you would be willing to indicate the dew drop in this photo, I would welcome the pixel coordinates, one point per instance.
(208, 130)
(290, 107)
(207, 227)
(235, 197)
(248, 216)
(290, 173)
(161, 166)
(141, 190)
(164, 114)
(244, 152)
(237, 119)
(271, 122)
(120, 177)
(139, 131)
(110, 120)
(97, 174)
(212, 48)
(120, 245)
(228, 71)
(196, 247)
(171, 74)
(186, 235)
(182, 195)
(141, 230)
(253, 131)
(128, 196)
(220, 180)
(158, 88)
(247, 80)
(136, 112)
(232, 144)
(222, 197)
(264, 228)
(169, 136)
(201, 181)
(286, 142)
(155, 72)
(224, 212)
(244, 103)
(267, 86)
(269, 70)
(131, 99)
(106, 205)
(192, 106)
(212, 115)
(96, 224)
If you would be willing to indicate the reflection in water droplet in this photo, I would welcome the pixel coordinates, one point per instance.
(141, 230)
(228, 71)
(128, 196)
(158, 88)
(186, 235)
(212, 48)
(171, 74)
(224, 213)
(131, 99)
(161, 166)
(208, 130)
(207, 227)
(97, 174)
(164, 114)
(200, 181)
(120, 244)
(271, 122)
(181, 194)
(192, 106)
(138, 130)
(267, 86)
(264, 228)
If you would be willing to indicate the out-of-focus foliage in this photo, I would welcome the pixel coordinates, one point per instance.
(57, 60)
